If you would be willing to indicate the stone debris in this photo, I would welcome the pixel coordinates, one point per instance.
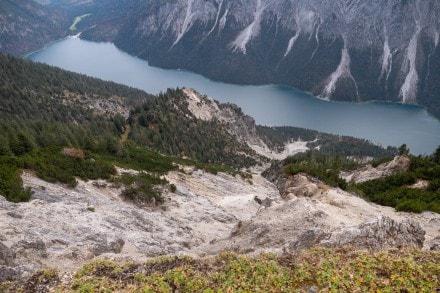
(207, 214)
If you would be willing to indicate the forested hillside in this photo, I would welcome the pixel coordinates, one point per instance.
(65, 125)
(312, 45)
(46, 110)
(413, 187)
(117, 172)
(49, 106)
(28, 26)
(275, 137)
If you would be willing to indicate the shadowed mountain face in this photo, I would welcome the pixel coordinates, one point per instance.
(347, 50)
(27, 26)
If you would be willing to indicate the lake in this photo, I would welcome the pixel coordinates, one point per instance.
(274, 105)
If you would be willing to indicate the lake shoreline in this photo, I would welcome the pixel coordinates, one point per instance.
(381, 122)
(78, 35)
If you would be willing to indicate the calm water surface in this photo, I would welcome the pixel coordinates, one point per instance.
(274, 105)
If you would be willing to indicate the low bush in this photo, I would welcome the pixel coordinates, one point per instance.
(142, 188)
(11, 185)
(379, 161)
(313, 270)
(52, 165)
(396, 191)
(322, 166)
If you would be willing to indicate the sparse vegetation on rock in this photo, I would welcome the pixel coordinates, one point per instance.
(317, 269)
(115, 146)
(390, 183)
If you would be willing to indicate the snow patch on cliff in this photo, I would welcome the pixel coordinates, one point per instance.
(216, 18)
(387, 59)
(343, 71)
(436, 39)
(187, 23)
(251, 31)
(317, 40)
(306, 20)
(408, 91)
(292, 42)
(222, 22)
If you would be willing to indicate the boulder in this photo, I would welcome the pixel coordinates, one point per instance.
(7, 256)
(35, 246)
(100, 244)
(307, 239)
(382, 233)
(435, 245)
(8, 274)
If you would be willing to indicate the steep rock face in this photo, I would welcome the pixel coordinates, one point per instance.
(28, 26)
(315, 214)
(338, 50)
(241, 126)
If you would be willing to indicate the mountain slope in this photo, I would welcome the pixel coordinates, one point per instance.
(84, 149)
(28, 26)
(340, 50)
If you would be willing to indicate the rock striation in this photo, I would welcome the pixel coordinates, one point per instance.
(312, 45)
(383, 233)
(64, 228)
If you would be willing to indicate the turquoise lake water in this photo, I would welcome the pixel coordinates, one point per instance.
(273, 105)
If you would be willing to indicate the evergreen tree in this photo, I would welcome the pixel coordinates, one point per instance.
(436, 155)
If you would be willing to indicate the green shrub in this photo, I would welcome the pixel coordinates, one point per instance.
(143, 189)
(411, 205)
(389, 192)
(380, 161)
(434, 185)
(316, 269)
(322, 166)
(11, 185)
(52, 165)
(139, 158)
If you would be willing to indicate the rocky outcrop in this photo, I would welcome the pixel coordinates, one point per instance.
(206, 214)
(397, 165)
(241, 126)
(435, 244)
(8, 273)
(64, 228)
(383, 233)
(30, 247)
(312, 213)
(6, 255)
(101, 244)
(237, 123)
